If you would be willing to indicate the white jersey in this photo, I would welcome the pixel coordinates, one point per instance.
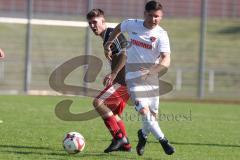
(146, 44)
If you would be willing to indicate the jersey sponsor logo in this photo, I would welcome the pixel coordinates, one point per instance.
(141, 44)
(153, 39)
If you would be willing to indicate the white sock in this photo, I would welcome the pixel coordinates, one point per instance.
(150, 124)
(156, 130)
(145, 128)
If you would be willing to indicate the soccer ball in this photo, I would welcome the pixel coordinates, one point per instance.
(73, 142)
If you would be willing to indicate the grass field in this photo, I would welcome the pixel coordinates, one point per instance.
(199, 131)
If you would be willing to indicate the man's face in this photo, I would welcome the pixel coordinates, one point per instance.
(97, 24)
(152, 18)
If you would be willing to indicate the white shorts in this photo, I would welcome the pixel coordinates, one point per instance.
(151, 102)
(145, 96)
(144, 93)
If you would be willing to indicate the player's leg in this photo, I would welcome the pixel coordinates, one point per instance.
(153, 124)
(155, 128)
(101, 108)
(100, 104)
(141, 105)
(150, 124)
(158, 134)
(120, 97)
(118, 139)
(126, 146)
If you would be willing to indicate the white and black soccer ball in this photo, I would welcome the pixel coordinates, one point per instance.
(73, 142)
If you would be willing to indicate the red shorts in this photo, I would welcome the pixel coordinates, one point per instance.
(114, 97)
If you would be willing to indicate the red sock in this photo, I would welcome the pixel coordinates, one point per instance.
(122, 127)
(112, 125)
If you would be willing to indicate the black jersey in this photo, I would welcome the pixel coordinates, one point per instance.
(118, 44)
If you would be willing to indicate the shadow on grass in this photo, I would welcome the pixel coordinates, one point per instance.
(200, 144)
(32, 150)
(34, 153)
(26, 147)
(230, 30)
(23, 151)
(55, 153)
(205, 144)
(190, 143)
(64, 155)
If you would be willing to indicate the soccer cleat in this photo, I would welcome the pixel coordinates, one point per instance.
(126, 147)
(141, 143)
(167, 147)
(116, 144)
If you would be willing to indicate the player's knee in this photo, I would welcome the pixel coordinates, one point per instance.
(147, 119)
(117, 117)
(154, 114)
(97, 103)
(144, 111)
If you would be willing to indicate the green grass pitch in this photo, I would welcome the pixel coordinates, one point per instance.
(199, 131)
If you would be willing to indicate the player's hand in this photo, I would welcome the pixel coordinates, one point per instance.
(145, 73)
(108, 80)
(107, 51)
(153, 70)
(2, 55)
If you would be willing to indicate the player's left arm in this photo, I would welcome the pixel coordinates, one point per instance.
(165, 58)
(162, 67)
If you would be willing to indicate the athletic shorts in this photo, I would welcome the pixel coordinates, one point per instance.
(143, 92)
(114, 97)
(151, 102)
(145, 96)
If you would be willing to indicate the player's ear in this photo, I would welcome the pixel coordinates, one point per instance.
(161, 16)
(103, 20)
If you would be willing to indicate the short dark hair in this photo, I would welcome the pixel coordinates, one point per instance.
(95, 13)
(153, 5)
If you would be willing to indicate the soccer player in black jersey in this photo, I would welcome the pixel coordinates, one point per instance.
(111, 102)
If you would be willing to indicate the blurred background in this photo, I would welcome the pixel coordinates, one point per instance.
(39, 35)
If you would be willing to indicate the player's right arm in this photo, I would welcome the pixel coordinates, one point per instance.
(108, 80)
(114, 35)
(126, 26)
(121, 41)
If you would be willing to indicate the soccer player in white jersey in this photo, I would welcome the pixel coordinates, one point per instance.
(147, 56)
